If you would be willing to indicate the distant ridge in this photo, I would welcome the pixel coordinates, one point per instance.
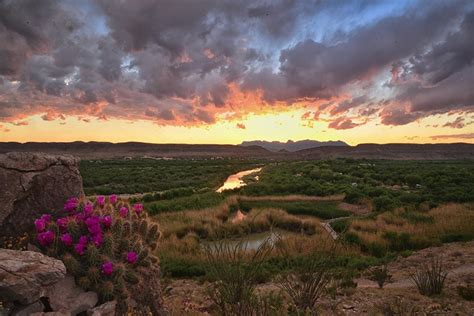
(103, 150)
(292, 146)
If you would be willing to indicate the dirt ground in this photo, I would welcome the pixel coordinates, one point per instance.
(188, 297)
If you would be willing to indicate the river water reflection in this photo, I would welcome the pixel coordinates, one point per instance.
(235, 181)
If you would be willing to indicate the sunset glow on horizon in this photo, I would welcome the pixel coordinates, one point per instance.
(221, 72)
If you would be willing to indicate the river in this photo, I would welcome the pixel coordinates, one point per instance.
(235, 181)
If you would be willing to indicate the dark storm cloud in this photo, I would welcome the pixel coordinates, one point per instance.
(179, 62)
(28, 27)
(314, 69)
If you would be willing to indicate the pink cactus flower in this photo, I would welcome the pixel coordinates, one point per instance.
(107, 221)
(113, 198)
(66, 239)
(108, 268)
(45, 238)
(100, 200)
(88, 209)
(97, 239)
(138, 208)
(131, 257)
(123, 211)
(83, 240)
(62, 223)
(40, 225)
(71, 204)
(79, 248)
(93, 225)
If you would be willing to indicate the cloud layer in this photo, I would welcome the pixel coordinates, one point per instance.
(195, 62)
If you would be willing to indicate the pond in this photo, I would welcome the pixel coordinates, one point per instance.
(235, 181)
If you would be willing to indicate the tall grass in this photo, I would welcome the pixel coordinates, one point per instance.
(235, 274)
(397, 231)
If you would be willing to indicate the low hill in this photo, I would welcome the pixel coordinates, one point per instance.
(292, 146)
(97, 150)
(392, 151)
(103, 150)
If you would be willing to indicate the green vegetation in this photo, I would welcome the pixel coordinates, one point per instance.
(150, 175)
(192, 202)
(320, 209)
(388, 184)
(409, 202)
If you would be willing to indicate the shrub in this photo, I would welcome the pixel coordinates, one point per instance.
(380, 275)
(466, 292)
(340, 226)
(235, 277)
(106, 245)
(430, 278)
(397, 306)
(306, 284)
(384, 203)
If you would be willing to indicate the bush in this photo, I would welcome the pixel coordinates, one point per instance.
(306, 284)
(397, 242)
(105, 245)
(384, 203)
(430, 278)
(340, 226)
(380, 275)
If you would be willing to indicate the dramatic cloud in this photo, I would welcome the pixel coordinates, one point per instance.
(457, 123)
(193, 62)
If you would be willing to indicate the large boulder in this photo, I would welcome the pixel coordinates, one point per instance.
(32, 184)
(25, 276)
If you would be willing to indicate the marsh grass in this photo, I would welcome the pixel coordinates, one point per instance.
(397, 231)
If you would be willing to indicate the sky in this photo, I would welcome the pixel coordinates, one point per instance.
(225, 71)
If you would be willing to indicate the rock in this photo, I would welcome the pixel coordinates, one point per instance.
(32, 184)
(52, 314)
(66, 296)
(36, 307)
(149, 294)
(25, 275)
(106, 309)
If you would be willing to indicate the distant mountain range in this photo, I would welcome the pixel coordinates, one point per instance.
(103, 150)
(292, 146)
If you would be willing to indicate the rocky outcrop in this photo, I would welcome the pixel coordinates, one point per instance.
(26, 275)
(31, 282)
(32, 184)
